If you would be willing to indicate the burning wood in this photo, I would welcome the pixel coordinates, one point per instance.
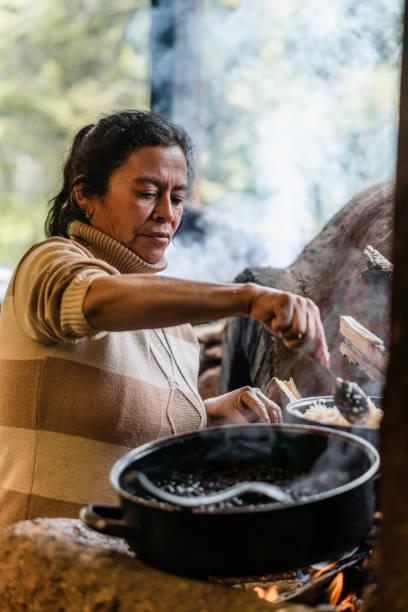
(326, 585)
(363, 348)
(323, 570)
(270, 594)
(282, 392)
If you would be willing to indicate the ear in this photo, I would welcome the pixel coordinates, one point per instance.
(78, 189)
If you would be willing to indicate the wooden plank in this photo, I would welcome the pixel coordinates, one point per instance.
(282, 391)
(354, 356)
(363, 347)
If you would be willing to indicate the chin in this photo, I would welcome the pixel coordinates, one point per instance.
(152, 258)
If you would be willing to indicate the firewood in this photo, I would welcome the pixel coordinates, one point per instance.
(282, 391)
(363, 348)
(378, 268)
(375, 259)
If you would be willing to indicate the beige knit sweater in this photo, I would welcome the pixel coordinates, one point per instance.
(72, 400)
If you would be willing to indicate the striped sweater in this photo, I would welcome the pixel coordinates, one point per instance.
(73, 400)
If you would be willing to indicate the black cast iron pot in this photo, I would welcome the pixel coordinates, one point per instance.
(337, 468)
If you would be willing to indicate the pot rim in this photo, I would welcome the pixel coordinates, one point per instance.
(344, 428)
(149, 447)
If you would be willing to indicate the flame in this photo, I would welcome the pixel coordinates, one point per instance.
(335, 588)
(270, 595)
(347, 604)
(322, 571)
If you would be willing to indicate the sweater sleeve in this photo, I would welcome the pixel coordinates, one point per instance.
(49, 287)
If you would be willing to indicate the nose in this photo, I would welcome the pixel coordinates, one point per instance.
(164, 208)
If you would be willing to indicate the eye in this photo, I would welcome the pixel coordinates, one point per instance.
(177, 200)
(147, 195)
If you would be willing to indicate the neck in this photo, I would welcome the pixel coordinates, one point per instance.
(105, 247)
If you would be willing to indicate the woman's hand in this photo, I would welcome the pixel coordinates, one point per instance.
(294, 318)
(244, 405)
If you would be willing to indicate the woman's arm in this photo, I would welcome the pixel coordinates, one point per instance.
(140, 301)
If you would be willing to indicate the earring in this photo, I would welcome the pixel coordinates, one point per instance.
(86, 214)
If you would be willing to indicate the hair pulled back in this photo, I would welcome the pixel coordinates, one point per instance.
(100, 148)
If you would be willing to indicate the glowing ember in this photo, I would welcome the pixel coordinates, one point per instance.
(270, 594)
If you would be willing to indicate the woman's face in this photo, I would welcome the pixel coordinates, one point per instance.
(143, 205)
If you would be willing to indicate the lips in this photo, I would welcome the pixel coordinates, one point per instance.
(160, 237)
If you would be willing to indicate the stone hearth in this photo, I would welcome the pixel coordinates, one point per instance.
(59, 565)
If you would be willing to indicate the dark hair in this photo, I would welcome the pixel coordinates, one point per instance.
(99, 149)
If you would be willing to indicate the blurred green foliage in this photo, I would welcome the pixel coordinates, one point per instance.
(62, 64)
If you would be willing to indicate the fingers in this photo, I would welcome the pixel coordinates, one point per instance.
(274, 412)
(299, 324)
(241, 406)
(261, 407)
(249, 399)
(302, 332)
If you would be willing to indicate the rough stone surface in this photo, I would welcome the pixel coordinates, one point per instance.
(59, 565)
(327, 271)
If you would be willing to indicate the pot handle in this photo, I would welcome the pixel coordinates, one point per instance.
(108, 520)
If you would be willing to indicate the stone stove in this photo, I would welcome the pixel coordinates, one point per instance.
(60, 565)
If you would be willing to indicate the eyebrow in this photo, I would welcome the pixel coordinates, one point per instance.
(158, 183)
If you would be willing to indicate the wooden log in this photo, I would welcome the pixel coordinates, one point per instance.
(282, 392)
(363, 348)
(378, 270)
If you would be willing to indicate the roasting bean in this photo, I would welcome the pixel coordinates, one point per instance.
(214, 478)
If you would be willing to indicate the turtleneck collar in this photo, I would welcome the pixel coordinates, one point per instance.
(113, 252)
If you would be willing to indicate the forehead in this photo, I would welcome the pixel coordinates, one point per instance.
(155, 161)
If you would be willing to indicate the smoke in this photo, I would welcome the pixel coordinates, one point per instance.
(298, 113)
(339, 464)
(330, 460)
(218, 249)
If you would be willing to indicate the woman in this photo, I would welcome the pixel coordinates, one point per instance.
(97, 354)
